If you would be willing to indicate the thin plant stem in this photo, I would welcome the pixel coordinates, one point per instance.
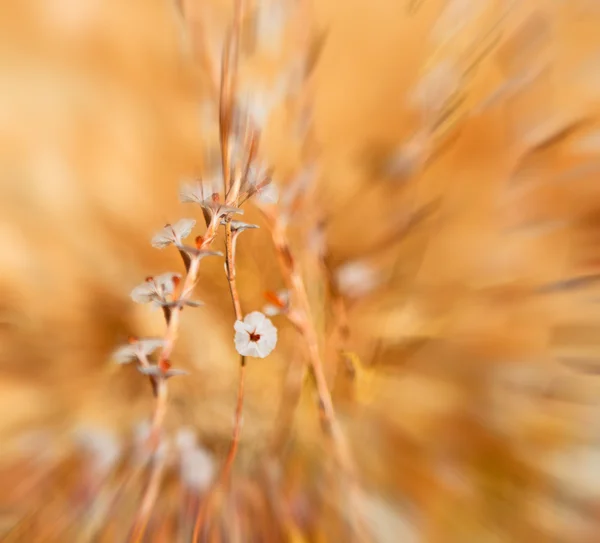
(162, 393)
(148, 500)
(230, 264)
(304, 323)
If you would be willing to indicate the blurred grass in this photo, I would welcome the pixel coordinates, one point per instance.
(453, 388)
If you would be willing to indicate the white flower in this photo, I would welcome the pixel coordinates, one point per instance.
(280, 303)
(138, 349)
(197, 467)
(155, 289)
(255, 336)
(356, 278)
(173, 233)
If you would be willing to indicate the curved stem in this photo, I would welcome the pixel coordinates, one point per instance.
(237, 423)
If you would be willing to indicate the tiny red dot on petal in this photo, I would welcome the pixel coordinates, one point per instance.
(149, 279)
(132, 339)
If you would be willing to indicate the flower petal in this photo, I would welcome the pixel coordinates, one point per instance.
(125, 354)
(227, 210)
(163, 238)
(239, 225)
(183, 228)
(240, 327)
(198, 253)
(149, 345)
(153, 370)
(191, 193)
(255, 319)
(144, 293)
(166, 282)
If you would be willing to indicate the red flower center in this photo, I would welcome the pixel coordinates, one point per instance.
(254, 336)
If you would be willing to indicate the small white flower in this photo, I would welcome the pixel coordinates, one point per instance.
(137, 349)
(255, 336)
(155, 289)
(173, 233)
(280, 303)
(197, 468)
(356, 278)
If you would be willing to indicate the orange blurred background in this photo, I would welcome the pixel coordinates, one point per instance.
(456, 149)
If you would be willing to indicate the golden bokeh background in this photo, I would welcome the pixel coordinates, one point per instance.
(468, 390)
